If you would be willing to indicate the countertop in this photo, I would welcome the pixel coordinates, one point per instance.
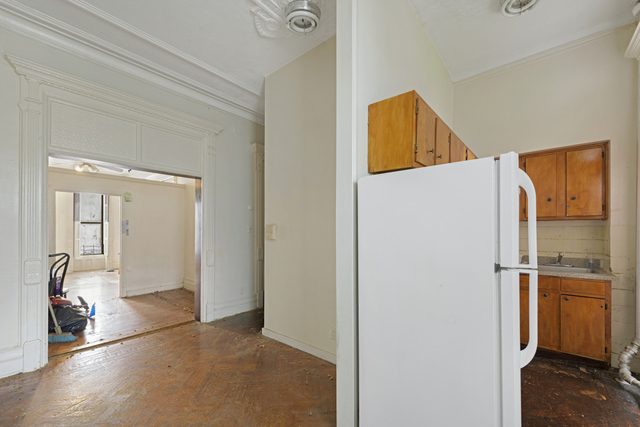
(601, 274)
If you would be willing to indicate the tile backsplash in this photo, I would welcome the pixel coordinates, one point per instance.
(574, 241)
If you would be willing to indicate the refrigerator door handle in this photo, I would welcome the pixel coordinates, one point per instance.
(525, 182)
(529, 351)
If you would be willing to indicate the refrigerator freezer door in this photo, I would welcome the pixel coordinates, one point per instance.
(429, 303)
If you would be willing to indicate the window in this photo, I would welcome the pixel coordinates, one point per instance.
(91, 215)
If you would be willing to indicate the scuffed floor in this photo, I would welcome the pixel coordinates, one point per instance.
(561, 393)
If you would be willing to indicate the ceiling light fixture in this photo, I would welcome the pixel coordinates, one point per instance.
(84, 167)
(513, 8)
(302, 17)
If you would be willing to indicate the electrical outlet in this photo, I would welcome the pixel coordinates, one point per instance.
(332, 333)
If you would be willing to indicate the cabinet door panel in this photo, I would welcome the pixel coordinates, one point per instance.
(543, 172)
(443, 139)
(583, 326)
(470, 155)
(425, 134)
(548, 320)
(584, 182)
(458, 149)
(524, 316)
(392, 133)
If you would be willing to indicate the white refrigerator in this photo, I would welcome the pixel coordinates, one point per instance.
(438, 293)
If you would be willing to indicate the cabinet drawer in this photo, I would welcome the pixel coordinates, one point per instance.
(592, 287)
(550, 283)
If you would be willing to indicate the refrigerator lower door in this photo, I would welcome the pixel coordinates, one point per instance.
(429, 299)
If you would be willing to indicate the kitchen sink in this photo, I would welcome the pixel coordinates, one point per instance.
(567, 268)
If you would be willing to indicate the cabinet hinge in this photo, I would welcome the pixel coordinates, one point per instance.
(416, 148)
(449, 137)
(603, 154)
(524, 164)
(606, 306)
(606, 350)
(417, 108)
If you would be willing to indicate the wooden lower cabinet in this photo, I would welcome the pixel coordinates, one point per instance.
(573, 316)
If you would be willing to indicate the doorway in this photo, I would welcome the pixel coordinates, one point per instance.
(131, 238)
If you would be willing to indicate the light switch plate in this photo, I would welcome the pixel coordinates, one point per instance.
(270, 232)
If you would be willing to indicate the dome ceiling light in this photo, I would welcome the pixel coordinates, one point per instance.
(513, 8)
(302, 17)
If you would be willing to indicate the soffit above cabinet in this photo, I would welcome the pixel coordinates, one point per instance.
(208, 47)
(473, 36)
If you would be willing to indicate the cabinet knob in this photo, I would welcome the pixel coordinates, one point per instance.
(430, 151)
(545, 295)
(439, 156)
(573, 198)
(549, 199)
(566, 298)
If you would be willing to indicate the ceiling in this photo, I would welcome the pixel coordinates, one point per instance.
(208, 48)
(68, 164)
(213, 51)
(472, 36)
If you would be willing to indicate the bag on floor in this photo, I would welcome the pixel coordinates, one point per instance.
(70, 319)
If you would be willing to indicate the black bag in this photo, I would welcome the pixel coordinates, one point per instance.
(69, 319)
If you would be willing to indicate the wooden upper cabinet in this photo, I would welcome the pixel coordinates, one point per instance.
(470, 155)
(401, 133)
(458, 151)
(585, 182)
(443, 142)
(543, 172)
(570, 182)
(425, 133)
(404, 133)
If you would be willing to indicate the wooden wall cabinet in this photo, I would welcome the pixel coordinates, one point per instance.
(573, 316)
(570, 182)
(404, 132)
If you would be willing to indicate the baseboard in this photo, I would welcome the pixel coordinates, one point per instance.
(189, 284)
(233, 307)
(152, 289)
(300, 345)
(11, 362)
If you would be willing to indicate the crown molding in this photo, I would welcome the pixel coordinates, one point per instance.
(49, 76)
(542, 55)
(633, 51)
(29, 22)
(81, 4)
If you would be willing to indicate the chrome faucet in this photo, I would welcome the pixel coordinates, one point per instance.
(559, 258)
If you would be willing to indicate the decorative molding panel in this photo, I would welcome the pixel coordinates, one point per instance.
(159, 147)
(79, 129)
(269, 19)
(93, 108)
(36, 25)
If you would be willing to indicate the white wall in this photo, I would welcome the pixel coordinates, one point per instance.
(300, 136)
(233, 184)
(61, 230)
(154, 251)
(578, 93)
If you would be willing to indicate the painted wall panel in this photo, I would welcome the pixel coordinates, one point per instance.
(78, 129)
(159, 147)
(300, 198)
(9, 208)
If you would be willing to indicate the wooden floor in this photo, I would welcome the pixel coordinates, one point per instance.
(117, 318)
(218, 374)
